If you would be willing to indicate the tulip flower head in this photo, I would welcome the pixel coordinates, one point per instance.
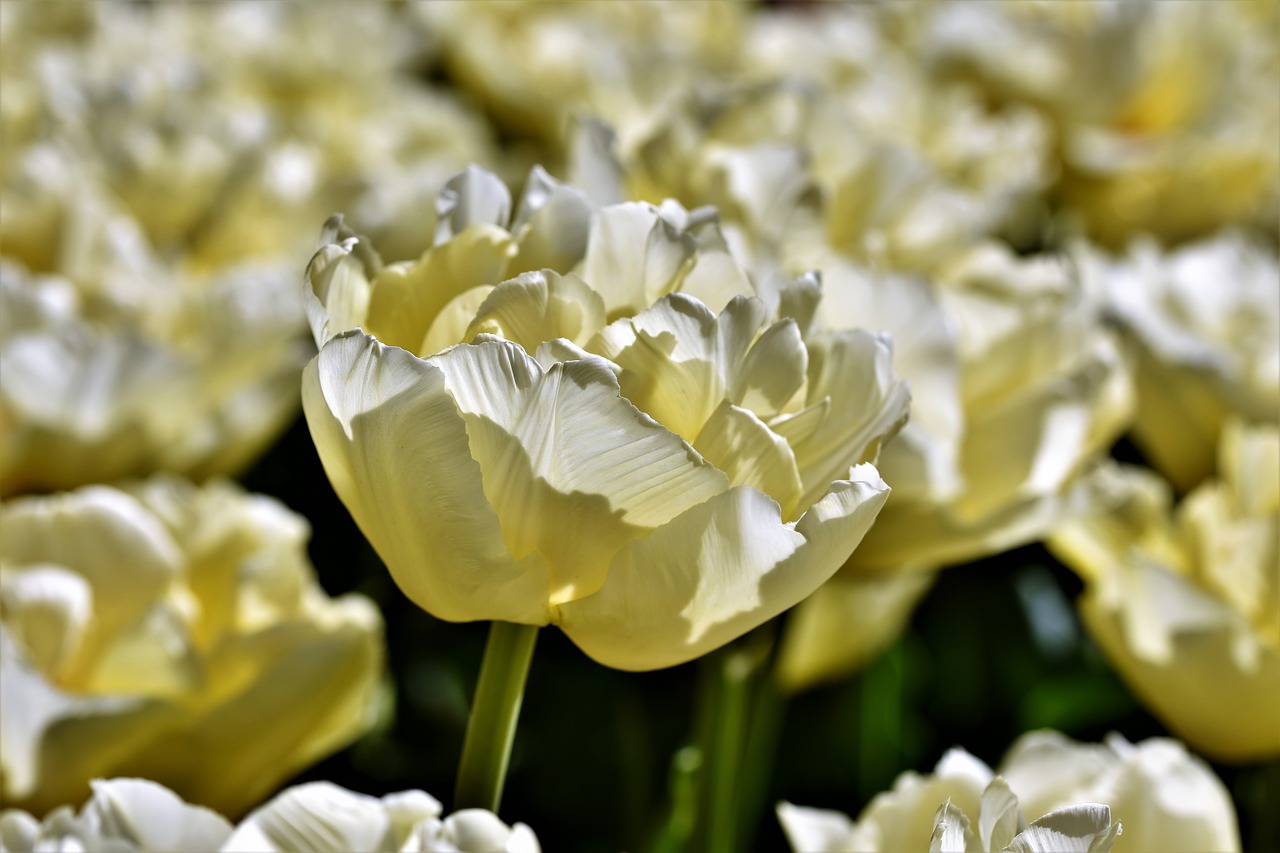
(585, 445)
(1166, 799)
(159, 631)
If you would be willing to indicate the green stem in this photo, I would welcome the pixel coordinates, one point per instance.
(727, 744)
(494, 711)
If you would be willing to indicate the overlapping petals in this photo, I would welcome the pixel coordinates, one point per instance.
(173, 632)
(655, 486)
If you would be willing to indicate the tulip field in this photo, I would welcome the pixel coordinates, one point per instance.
(465, 426)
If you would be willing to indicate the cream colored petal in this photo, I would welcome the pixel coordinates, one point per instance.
(551, 224)
(476, 831)
(338, 287)
(1201, 693)
(1045, 769)
(668, 367)
(153, 657)
(1167, 798)
(408, 297)
(304, 689)
(951, 832)
(868, 404)
(473, 196)
(1085, 828)
(540, 306)
(716, 571)
(452, 323)
(902, 818)
(105, 536)
(396, 449)
(635, 256)
(561, 448)
(739, 444)
(47, 610)
(999, 818)
(52, 742)
(810, 830)
(316, 816)
(772, 371)
(152, 817)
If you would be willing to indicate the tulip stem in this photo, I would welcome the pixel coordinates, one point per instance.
(491, 728)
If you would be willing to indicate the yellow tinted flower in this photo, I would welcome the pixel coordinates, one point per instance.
(655, 486)
(174, 633)
(1016, 389)
(1185, 605)
(408, 821)
(1165, 798)
(124, 816)
(1204, 320)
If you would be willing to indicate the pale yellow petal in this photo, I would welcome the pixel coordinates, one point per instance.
(635, 256)
(397, 452)
(339, 283)
(551, 225)
(474, 196)
(716, 571)
(999, 818)
(408, 297)
(540, 306)
(868, 404)
(560, 449)
(739, 444)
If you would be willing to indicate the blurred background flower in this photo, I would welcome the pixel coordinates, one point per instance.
(1065, 215)
(1186, 602)
(176, 633)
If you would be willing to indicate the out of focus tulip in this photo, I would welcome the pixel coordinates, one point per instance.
(1017, 389)
(321, 813)
(1165, 798)
(176, 633)
(1166, 111)
(1204, 321)
(655, 486)
(1186, 604)
(122, 816)
(609, 59)
(141, 816)
(195, 381)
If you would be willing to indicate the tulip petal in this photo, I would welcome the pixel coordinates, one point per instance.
(717, 570)
(48, 610)
(1085, 828)
(738, 443)
(473, 196)
(810, 829)
(152, 817)
(407, 298)
(337, 295)
(560, 449)
(551, 224)
(303, 689)
(396, 450)
(951, 832)
(317, 816)
(999, 818)
(103, 535)
(635, 256)
(868, 404)
(51, 741)
(540, 306)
